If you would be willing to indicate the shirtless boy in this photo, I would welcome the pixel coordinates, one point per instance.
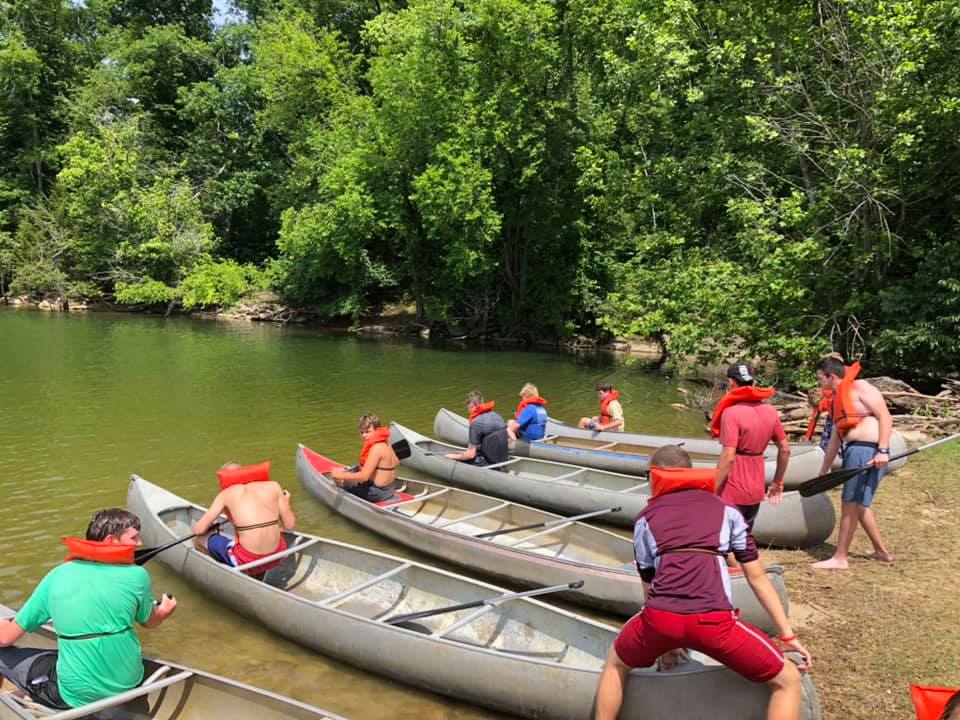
(862, 424)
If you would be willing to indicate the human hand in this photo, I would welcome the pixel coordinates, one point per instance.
(166, 605)
(775, 494)
(452, 456)
(592, 425)
(795, 646)
(671, 658)
(880, 460)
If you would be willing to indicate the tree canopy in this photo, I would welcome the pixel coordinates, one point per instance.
(767, 178)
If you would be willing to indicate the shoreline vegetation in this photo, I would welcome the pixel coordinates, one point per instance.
(780, 178)
(918, 416)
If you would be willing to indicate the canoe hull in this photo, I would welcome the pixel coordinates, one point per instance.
(502, 681)
(615, 590)
(796, 522)
(805, 460)
(201, 695)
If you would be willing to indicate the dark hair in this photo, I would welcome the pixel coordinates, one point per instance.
(112, 521)
(475, 397)
(670, 456)
(952, 704)
(368, 421)
(604, 387)
(831, 366)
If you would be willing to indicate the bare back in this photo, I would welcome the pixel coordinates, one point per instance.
(385, 470)
(253, 504)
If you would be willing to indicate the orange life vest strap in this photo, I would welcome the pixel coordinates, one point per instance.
(668, 480)
(842, 411)
(243, 475)
(380, 435)
(109, 553)
(826, 399)
(743, 394)
(605, 405)
(481, 409)
(529, 401)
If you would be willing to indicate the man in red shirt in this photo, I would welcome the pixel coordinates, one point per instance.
(745, 425)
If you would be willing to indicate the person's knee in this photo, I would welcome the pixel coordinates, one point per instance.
(787, 679)
(200, 542)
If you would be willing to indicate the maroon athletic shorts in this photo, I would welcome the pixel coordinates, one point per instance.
(739, 646)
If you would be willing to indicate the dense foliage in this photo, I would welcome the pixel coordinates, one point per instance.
(763, 177)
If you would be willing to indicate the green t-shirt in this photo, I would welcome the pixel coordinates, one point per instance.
(82, 598)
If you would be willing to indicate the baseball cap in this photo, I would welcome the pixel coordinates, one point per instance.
(741, 372)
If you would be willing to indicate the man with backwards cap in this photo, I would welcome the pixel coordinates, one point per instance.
(745, 425)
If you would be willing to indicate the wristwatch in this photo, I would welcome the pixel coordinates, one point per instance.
(885, 451)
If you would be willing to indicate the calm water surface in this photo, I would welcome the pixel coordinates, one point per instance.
(89, 399)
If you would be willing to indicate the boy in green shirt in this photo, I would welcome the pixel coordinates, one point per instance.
(93, 602)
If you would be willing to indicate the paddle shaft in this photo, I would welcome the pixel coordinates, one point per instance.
(549, 523)
(825, 482)
(479, 603)
(143, 554)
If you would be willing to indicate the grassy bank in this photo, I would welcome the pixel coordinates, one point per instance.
(877, 628)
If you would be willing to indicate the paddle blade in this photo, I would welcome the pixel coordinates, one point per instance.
(401, 448)
(823, 483)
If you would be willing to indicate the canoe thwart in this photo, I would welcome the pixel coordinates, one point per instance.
(326, 602)
(473, 516)
(267, 559)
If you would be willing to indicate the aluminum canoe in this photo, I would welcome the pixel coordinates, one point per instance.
(445, 522)
(168, 692)
(572, 490)
(522, 657)
(627, 453)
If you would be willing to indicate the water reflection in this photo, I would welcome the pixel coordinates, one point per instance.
(89, 399)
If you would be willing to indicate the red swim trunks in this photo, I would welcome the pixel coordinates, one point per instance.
(242, 556)
(739, 646)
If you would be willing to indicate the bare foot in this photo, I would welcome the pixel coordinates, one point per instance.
(881, 556)
(831, 564)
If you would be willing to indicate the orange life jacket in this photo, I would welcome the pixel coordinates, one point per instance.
(842, 410)
(243, 475)
(826, 398)
(529, 401)
(110, 553)
(380, 435)
(605, 404)
(668, 480)
(744, 393)
(930, 702)
(481, 409)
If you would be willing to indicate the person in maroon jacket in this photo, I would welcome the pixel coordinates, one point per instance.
(680, 540)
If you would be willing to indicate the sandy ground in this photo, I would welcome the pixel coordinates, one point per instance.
(878, 627)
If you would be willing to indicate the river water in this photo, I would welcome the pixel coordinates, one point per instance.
(88, 399)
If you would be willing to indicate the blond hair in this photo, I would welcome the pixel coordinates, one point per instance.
(529, 390)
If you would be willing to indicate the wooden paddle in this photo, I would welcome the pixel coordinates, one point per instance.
(832, 479)
(141, 555)
(479, 603)
(549, 523)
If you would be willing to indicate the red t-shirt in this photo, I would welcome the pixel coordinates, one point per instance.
(748, 427)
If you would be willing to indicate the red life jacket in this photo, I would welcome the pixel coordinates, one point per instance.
(930, 702)
(380, 435)
(744, 393)
(668, 480)
(842, 410)
(243, 475)
(110, 553)
(826, 398)
(605, 401)
(529, 401)
(481, 409)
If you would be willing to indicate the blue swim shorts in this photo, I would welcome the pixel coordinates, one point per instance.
(861, 488)
(219, 548)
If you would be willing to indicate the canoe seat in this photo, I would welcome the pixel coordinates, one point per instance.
(395, 498)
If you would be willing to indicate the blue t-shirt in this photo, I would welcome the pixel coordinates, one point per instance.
(533, 422)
